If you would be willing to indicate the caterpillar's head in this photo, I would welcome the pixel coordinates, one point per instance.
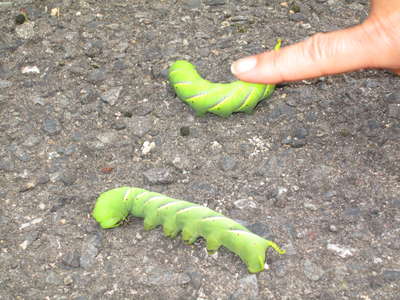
(111, 208)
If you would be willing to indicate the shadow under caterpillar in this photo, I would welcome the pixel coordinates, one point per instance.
(191, 219)
(221, 99)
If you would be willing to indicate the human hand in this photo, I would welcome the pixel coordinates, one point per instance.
(373, 44)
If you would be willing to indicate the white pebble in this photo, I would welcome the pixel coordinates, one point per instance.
(32, 222)
(24, 244)
(30, 69)
(341, 251)
(147, 147)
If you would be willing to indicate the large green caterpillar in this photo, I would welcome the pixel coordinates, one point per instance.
(221, 99)
(193, 220)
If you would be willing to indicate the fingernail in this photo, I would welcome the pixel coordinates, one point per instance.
(243, 65)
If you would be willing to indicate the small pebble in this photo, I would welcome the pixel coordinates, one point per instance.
(333, 228)
(300, 132)
(191, 4)
(139, 126)
(391, 275)
(158, 176)
(53, 278)
(244, 203)
(214, 2)
(51, 126)
(184, 131)
(68, 178)
(394, 111)
(5, 84)
(30, 69)
(196, 279)
(127, 114)
(26, 30)
(20, 19)
(30, 223)
(247, 288)
(27, 186)
(68, 280)
(280, 268)
(97, 76)
(312, 270)
(31, 140)
(71, 259)
(393, 97)
(341, 251)
(310, 206)
(227, 163)
(298, 143)
(7, 165)
(240, 19)
(6, 5)
(147, 147)
(89, 251)
(298, 17)
(112, 95)
(119, 125)
(38, 100)
(108, 137)
(43, 179)
(24, 245)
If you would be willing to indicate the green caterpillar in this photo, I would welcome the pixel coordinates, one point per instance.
(193, 220)
(221, 99)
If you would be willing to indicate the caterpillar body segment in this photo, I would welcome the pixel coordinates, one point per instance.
(221, 99)
(192, 220)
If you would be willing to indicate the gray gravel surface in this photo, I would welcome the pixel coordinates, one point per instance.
(85, 106)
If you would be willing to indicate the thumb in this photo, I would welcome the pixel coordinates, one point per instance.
(322, 54)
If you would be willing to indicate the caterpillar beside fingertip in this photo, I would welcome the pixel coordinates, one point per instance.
(221, 99)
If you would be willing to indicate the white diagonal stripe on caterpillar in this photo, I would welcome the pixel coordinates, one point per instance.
(196, 96)
(128, 191)
(156, 197)
(223, 99)
(141, 194)
(169, 204)
(180, 70)
(246, 98)
(189, 208)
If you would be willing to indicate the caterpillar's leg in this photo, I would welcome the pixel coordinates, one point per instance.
(213, 244)
(149, 223)
(189, 236)
(170, 229)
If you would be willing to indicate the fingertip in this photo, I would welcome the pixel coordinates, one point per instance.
(257, 69)
(243, 65)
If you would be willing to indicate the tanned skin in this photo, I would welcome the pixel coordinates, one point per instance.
(375, 44)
